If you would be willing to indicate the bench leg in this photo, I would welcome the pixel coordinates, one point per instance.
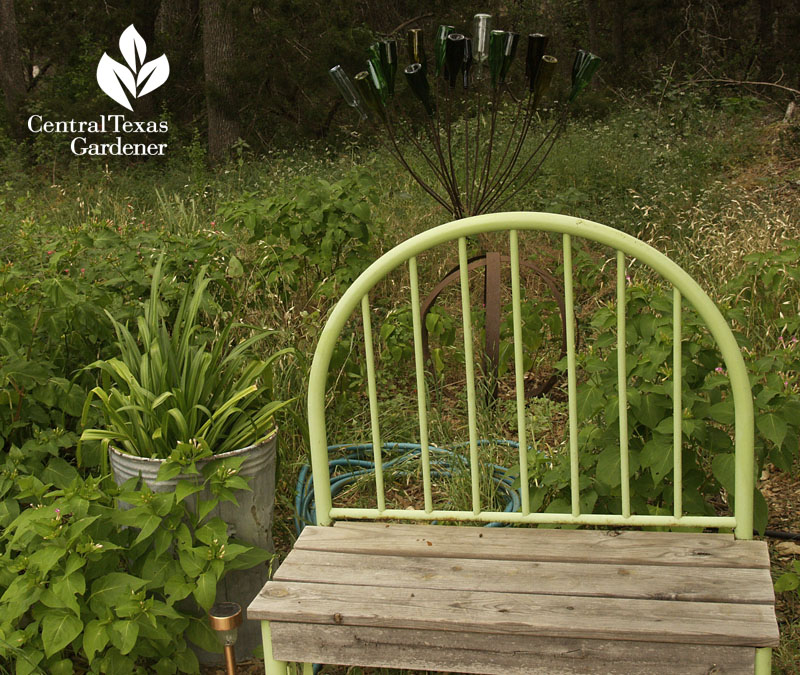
(271, 666)
(763, 661)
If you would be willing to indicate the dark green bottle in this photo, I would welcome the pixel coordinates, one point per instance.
(454, 57)
(369, 93)
(440, 45)
(418, 82)
(509, 52)
(497, 40)
(583, 69)
(537, 43)
(375, 69)
(388, 56)
(544, 76)
(468, 60)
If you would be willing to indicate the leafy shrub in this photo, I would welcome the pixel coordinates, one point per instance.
(84, 584)
(708, 459)
(314, 237)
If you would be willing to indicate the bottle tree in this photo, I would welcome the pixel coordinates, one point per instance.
(466, 92)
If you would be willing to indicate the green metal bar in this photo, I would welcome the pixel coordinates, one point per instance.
(422, 408)
(569, 310)
(622, 387)
(519, 372)
(542, 222)
(677, 403)
(469, 364)
(271, 666)
(763, 661)
(308, 669)
(373, 404)
(536, 518)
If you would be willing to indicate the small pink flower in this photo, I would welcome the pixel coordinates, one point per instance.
(50, 252)
(719, 369)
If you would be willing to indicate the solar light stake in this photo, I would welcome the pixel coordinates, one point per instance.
(225, 618)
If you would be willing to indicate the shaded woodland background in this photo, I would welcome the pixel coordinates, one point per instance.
(256, 70)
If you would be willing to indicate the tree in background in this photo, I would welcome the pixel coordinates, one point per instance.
(12, 72)
(257, 69)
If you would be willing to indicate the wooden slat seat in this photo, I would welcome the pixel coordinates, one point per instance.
(514, 600)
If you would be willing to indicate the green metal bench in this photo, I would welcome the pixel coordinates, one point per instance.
(371, 591)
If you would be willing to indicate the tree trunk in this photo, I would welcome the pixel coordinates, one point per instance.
(766, 39)
(12, 73)
(218, 58)
(593, 20)
(618, 34)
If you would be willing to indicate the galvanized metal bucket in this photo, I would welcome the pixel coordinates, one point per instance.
(250, 522)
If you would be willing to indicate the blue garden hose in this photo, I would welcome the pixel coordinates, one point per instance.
(358, 463)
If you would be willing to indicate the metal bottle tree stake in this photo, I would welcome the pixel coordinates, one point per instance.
(462, 105)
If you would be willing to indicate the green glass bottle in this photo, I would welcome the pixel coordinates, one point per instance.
(544, 75)
(368, 92)
(376, 72)
(418, 82)
(440, 46)
(583, 69)
(497, 40)
(388, 57)
(537, 43)
(509, 52)
(454, 57)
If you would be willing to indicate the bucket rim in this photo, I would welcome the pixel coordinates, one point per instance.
(270, 437)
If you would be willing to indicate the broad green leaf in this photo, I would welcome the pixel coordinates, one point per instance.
(47, 557)
(657, 455)
(148, 525)
(723, 412)
(723, 467)
(608, 467)
(123, 635)
(788, 581)
(109, 590)
(59, 628)
(205, 590)
(59, 472)
(772, 427)
(62, 667)
(95, 638)
(186, 488)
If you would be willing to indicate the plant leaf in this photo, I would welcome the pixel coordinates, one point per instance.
(59, 628)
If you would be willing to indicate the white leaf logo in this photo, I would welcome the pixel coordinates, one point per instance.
(138, 77)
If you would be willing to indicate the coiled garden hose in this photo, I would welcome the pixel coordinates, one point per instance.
(346, 470)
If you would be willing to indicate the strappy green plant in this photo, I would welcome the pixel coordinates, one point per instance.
(177, 393)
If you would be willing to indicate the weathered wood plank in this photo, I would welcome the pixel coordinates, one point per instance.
(623, 547)
(500, 654)
(667, 582)
(542, 615)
